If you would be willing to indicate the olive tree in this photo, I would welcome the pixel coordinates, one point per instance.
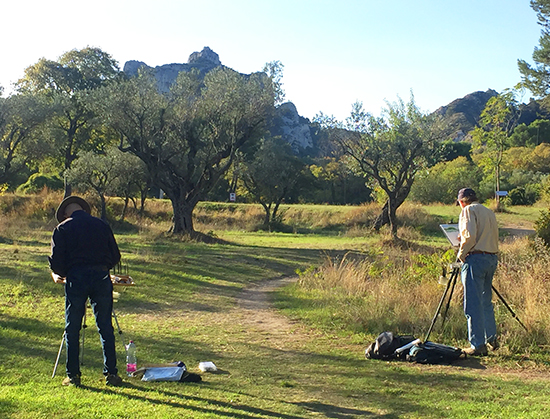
(187, 138)
(96, 172)
(270, 175)
(21, 116)
(65, 83)
(390, 150)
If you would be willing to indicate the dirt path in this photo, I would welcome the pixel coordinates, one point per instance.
(254, 307)
(256, 301)
(517, 231)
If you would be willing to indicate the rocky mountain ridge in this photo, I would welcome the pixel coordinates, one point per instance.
(287, 122)
(460, 116)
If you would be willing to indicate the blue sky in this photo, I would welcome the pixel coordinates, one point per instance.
(334, 52)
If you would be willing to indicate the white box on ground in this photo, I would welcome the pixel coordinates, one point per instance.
(207, 366)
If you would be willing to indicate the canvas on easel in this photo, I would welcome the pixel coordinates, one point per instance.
(452, 233)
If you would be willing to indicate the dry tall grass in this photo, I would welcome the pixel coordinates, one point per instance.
(523, 279)
(397, 290)
(389, 290)
(26, 213)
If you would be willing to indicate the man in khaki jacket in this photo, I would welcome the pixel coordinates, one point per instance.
(478, 253)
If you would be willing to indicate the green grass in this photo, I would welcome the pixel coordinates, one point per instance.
(524, 216)
(183, 307)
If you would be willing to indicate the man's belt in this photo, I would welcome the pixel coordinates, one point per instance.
(480, 252)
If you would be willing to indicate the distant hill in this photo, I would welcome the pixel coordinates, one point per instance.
(462, 115)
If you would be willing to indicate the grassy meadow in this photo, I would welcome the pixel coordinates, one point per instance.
(305, 359)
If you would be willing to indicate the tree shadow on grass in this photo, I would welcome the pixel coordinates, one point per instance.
(31, 344)
(331, 411)
(219, 409)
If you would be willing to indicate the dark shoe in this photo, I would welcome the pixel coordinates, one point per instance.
(113, 380)
(479, 351)
(71, 381)
(493, 345)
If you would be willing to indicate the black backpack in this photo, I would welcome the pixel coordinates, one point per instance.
(433, 353)
(385, 345)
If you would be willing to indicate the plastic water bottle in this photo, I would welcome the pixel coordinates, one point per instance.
(131, 360)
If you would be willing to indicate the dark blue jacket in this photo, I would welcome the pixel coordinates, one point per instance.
(82, 240)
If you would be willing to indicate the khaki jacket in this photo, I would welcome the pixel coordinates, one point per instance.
(478, 230)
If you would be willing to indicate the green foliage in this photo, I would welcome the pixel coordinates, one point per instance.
(451, 150)
(524, 187)
(270, 175)
(536, 78)
(520, 196)
(390, 150)
(66, 84)
(542, 226)
(274, 71)
(188, 138)
(21, 117)
(75, 71)
(95, 172)
(426, 267)
(532, 135)
(39, 181)
(336, 183)
(441, 182)
(491, 137)
(101, 173)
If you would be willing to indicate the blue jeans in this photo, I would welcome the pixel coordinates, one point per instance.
(477, 278)
(83, 283)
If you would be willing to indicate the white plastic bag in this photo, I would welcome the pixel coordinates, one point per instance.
(207, 366)
(163, 374)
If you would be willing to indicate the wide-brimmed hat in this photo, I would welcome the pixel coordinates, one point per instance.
(60, 213)
(464, 193)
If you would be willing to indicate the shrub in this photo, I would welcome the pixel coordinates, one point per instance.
(39, 181)
(542, 227)
(442, 182)
(522, 196)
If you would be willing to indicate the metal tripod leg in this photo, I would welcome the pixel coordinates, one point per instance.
(119, 329)
(450, 287)
(59, 354)
(84, 326)
(454, 277)
(509, 308)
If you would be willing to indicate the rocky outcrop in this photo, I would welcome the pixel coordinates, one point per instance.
(530, 112)
(292, 127)
(287, 122)
(462, 115)
(166, 74)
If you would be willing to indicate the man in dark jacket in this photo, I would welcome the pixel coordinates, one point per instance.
(82, 253)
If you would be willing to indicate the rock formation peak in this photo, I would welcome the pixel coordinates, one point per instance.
(206, 55)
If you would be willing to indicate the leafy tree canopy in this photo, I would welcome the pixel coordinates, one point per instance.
(75, 70)
(66, 83)
(271, 175)
(390, 150)
(537, 78)
(531, 135)
(20, 118)
(189, 137)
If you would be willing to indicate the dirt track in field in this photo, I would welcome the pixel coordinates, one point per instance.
(258, 314)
